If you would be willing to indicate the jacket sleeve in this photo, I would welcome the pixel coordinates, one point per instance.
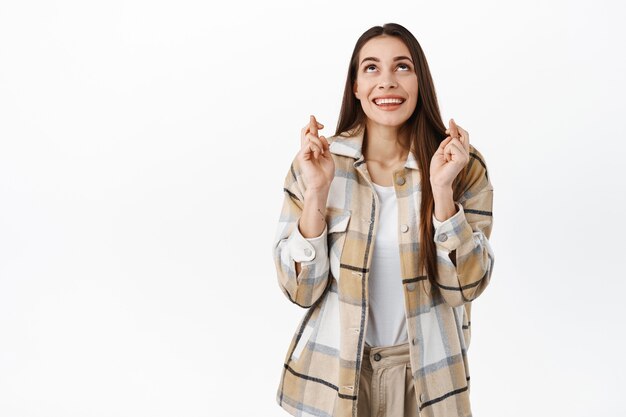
(290, 246)
(465, 258)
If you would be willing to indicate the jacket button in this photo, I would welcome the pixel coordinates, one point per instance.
(307, 252)
(414, 341)
(442, 237)
(404, 228)
(400, 181)
(410, 286)
(421, 398)
(377, 357)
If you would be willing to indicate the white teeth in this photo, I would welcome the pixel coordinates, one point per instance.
(388, 101)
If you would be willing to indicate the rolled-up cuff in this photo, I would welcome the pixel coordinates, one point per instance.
(451, 233)
(302, 249)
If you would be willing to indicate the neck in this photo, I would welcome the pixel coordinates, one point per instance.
(385, 144)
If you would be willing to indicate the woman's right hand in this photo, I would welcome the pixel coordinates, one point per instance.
(316, 161)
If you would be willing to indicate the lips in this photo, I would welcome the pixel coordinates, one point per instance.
(388, 101)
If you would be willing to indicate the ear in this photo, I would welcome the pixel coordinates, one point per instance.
(355, 90)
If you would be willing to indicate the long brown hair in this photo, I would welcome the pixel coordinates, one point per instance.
(426, 131)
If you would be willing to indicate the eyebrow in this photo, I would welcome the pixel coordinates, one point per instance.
(398, 58)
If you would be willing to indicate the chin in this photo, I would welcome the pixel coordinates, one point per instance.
(391, 121)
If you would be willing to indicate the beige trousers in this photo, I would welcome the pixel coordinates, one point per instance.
(386, 386)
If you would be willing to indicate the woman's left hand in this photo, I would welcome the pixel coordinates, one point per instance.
(450, 158)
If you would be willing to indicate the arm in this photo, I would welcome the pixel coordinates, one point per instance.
(312, 226)
(465, 258)
(300, 246)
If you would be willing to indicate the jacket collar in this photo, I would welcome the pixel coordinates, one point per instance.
(350, 144)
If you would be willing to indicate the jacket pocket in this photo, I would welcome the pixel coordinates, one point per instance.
(467, 331)
(304, 339)
(337, 220)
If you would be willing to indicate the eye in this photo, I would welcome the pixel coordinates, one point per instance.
(408, 67)
(369, 66)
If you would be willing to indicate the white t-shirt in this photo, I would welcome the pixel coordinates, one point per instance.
(387, 323)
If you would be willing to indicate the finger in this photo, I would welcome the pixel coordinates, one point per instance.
(311, 150)
(316, 142)
(310, 143)
(464, 141)
(451, 142)
(459, 142)
(305, 129)
(453, 129)
(447, 153)
(325, 144)
(303, 138)
(313, 125)
(316, 150)
(306, 153)
(456, 148)
(464, 137)
(443, 144)
(310, 154)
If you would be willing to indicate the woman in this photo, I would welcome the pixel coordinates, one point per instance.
(383, 238)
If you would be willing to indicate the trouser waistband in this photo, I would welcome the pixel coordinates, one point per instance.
(382, 356)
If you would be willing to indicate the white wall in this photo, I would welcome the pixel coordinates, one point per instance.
(143, 146)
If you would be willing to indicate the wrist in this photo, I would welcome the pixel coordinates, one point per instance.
(317, 193)
(442, 190)
(313, 219)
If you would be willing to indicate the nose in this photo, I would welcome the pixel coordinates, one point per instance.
(387, 81)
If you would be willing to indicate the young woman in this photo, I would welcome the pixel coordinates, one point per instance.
(383, 238)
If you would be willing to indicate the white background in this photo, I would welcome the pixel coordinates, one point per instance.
(143, 147)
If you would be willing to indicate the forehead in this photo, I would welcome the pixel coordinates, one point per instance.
(384, 47)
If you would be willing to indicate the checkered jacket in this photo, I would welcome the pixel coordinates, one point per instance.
(322, 364)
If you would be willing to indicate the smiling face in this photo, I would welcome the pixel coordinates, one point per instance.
(386, 69)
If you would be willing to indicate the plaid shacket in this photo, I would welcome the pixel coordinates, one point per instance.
(322, 364)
